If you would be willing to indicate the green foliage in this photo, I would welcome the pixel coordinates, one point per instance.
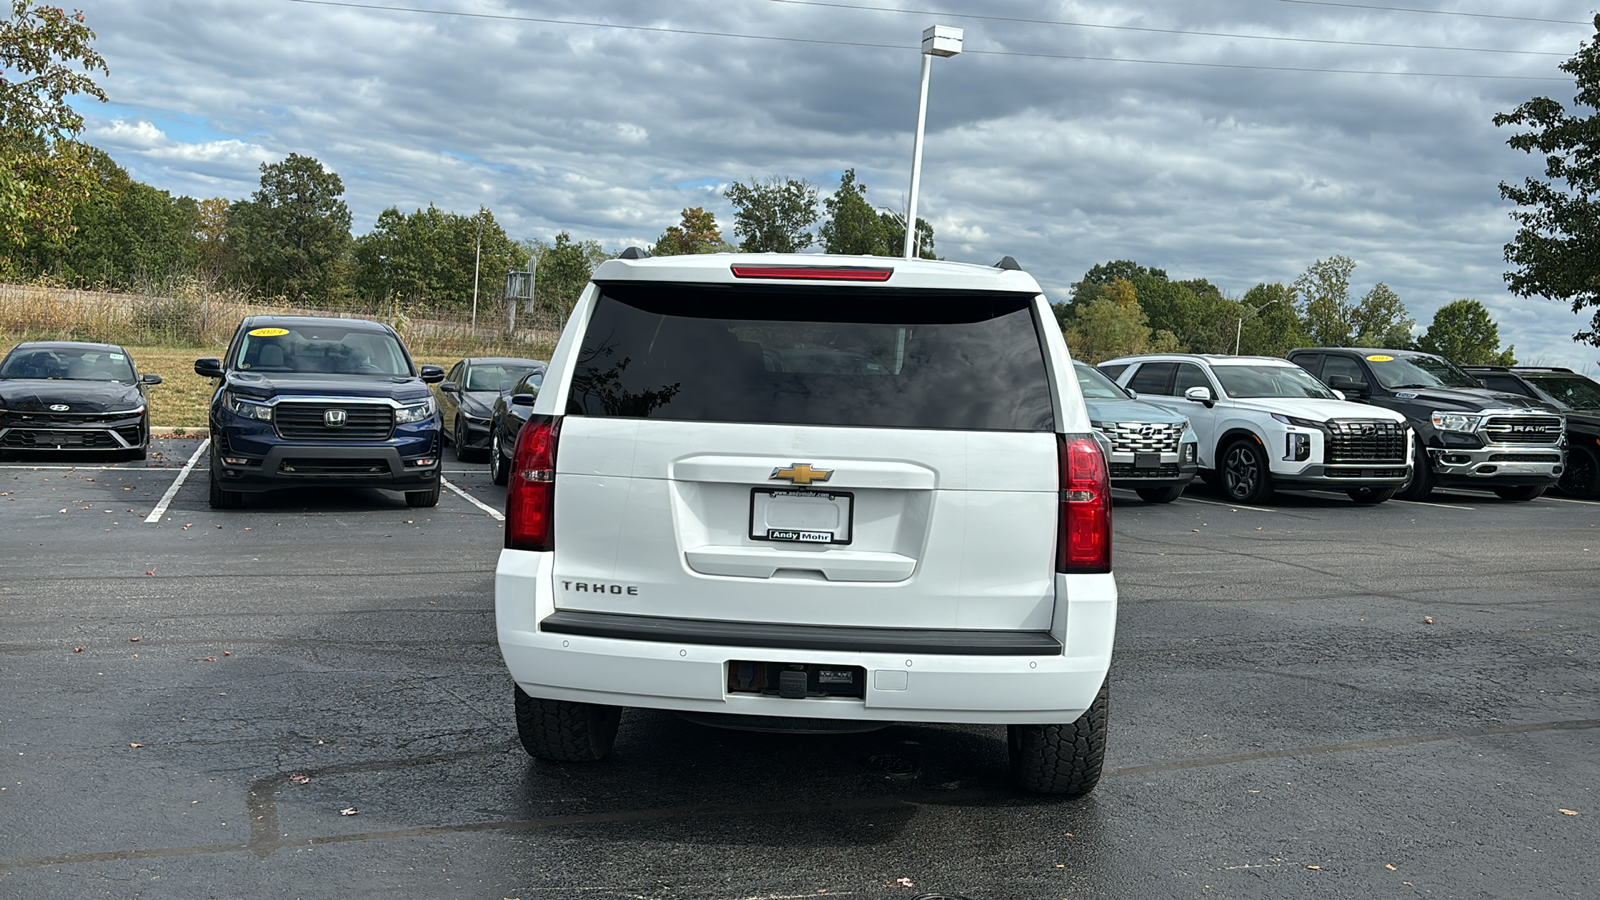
(773, 216)
(293, 234)
(428, 257)
(1381, 320)
(1099, 276)
(1270, 325)
(1558, 238)
(853, 226)
(44, 175)
(1463, 333)
(1324, 289)
(695, 233)
(1112, 325)
(894, 234)
(563, 271)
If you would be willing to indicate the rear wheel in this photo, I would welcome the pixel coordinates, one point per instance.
(1245, 478)
(1520, 492)
(1160, 494)
(423, 498)
(564, 731)
(1420, 484)
(1581, 478)
(1368, 496)
(499, 472)
(1061, 759)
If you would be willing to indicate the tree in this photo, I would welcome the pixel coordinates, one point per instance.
(1102, 274)
(1324, 289)
(696, 233)
(1463, 333)
(1270, 326)
(45, 58)
(774, 216)
(1381, 320)
(294, 231)
(853, 226)
(1558, 240)
(429, 256)
(211, 234)
(563, 271)
(894, 234)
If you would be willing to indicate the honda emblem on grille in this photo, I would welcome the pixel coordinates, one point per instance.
(59, 407)
(333, 418)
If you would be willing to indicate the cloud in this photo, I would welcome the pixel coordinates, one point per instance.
(1232, 168)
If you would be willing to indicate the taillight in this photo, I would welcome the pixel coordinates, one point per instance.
(1084, 536)
(531, 489)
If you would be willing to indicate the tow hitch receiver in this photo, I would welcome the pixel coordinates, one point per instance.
(796, 681)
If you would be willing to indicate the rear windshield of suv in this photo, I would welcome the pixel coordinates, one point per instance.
(796, 356)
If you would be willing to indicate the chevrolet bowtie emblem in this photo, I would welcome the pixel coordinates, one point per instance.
(802, 474)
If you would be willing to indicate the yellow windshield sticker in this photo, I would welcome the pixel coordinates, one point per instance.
(1377, 357)
(269, 332)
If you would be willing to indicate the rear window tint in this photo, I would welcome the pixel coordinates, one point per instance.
(798, 356)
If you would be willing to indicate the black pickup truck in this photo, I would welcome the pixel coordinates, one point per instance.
(1578, 398)
(309, 401)
(1467, 435)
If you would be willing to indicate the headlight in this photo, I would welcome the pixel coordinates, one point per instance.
(248, 409)
(1449, 421)
(408, 414)
(1298, 423)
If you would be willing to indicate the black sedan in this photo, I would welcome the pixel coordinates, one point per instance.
(74, 397)
(511, 412)
(468, 394)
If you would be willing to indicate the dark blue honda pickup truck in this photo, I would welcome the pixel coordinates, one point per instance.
(309, 401)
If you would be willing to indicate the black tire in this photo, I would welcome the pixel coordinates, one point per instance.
(1160, 494)
(1420, 484)
(219, 498)
(564, 731)
(1581, 477)
(458, 437)
(1370, 496)
(425, 498)
(1064, 760)
(1520, 492)
(1245, 476)
(499, 469)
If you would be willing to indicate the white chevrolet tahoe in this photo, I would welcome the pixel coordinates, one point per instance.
(814, 492)
(1263, 425)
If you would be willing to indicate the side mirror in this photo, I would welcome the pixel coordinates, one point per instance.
(1132, 394)
(1338, 393)
(1200, 394)
(432, 374)
(208, 367)
(148, 378)
(1348, 385)
(524, 399)
(449, 387)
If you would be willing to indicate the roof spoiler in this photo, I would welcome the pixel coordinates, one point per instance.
(1008, 263)
(634, 253)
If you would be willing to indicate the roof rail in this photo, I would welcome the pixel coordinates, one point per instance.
(1008, 263)
(634, 253)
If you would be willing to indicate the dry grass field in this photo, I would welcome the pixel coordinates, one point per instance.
(165, 335)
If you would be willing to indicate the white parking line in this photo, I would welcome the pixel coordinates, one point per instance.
(1228, 505)
(499, 517)
(1433, 503)
(161, 507)
(85, 468)
(1568, 500)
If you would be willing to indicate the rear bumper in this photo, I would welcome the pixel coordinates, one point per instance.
(1053, 679)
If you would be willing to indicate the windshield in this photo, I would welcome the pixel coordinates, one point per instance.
(326, 349)
(1265, 380)
(1095, 385)
(494, 376)
(68, 364)
(1569, 391)
(808, 356)
(1418, 372)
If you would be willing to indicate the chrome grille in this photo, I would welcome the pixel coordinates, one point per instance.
(1143, 437)
(1362, 440)
(1532, 429)
(305, 422)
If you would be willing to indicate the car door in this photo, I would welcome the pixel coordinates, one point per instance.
(1336, 366)
(450, 396)
(1202, 418)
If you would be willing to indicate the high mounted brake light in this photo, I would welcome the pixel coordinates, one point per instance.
(531, 492)
(1083, 541)
(813, 273)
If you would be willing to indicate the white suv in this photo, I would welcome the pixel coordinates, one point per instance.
(813, 492)
(1265, 423)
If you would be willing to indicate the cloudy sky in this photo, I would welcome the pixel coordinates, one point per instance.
(1234, 140)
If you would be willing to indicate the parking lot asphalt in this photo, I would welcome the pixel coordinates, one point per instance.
(1309, 698)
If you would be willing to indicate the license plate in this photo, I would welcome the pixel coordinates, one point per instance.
(59, 438)
(1147, 460)
(801, 517)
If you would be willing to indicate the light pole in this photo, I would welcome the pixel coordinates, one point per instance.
(477, 257)
(1238, 333)
(937, 40)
